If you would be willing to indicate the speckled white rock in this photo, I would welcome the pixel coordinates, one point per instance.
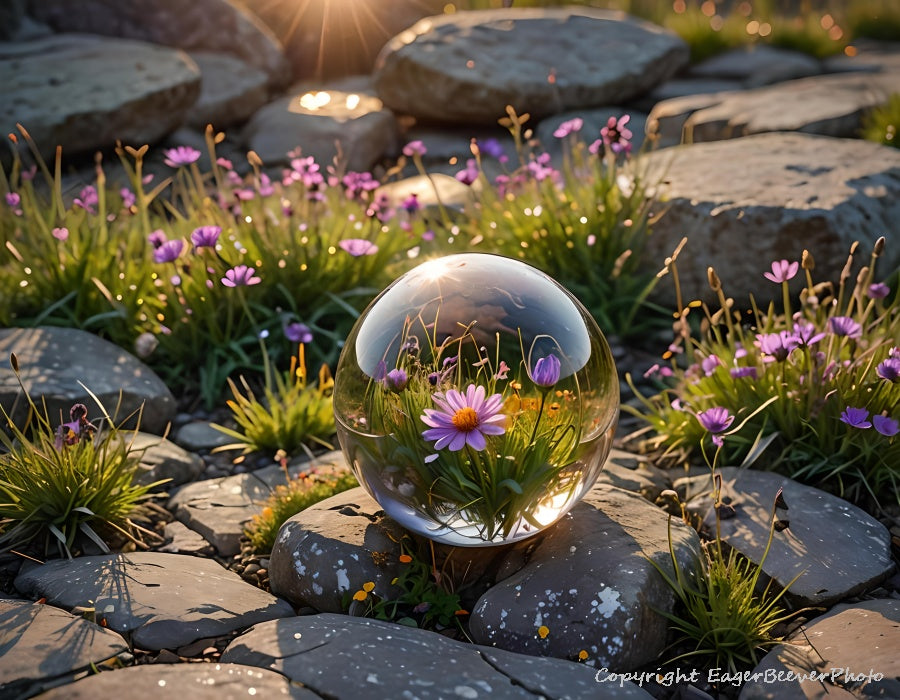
(589, 581)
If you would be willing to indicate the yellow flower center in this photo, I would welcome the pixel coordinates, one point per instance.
(465, 419)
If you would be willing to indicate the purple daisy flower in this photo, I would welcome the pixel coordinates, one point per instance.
(886, 425)
(844, 325)
(856, 417)
(156, 238)
(709, 364)
(469, 174)
(358, 247)
(168, 251)
(206, 236)
(298, 332)
(777, 345)
(87, 199)
(181, 155)
(889, 369)
(742, 372)
(240, 276)
(805, 333)
(782, 271)
(716, 420)
(546, 371)
(463, 419)
(878, 290)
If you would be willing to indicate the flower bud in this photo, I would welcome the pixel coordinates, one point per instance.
(714, 282)
(879, 247)
(806, 261)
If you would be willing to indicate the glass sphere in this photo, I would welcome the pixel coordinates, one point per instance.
(476, 400)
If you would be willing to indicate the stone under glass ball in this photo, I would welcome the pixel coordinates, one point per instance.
(476, 400)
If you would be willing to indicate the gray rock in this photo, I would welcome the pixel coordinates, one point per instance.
(200, 25)
(853, 647)
(633, 473)
(43, 646)
(12, 14)
(830, 105)
(52, 362)
(835, 548)
(163, 601)
(682, 86)
(468, 66)
(332, 548)
(795, 192)
(231, 90)
(432, 191)
(590, 582)
(197, 681)
(323, 44)
(346, 657)
(316, 118)
(759, 64)
(180, 539)
(162, 460)
(85, 92)
(220, 508)
(199, 435)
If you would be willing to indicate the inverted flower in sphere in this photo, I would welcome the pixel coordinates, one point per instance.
(462, 419)
(782, 271)
(205, 236)
(240, 276)
(546, 371)
(168, 251)
(856, 417)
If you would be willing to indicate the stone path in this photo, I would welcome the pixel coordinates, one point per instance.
(587, 582)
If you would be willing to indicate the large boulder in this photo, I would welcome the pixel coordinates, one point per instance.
(56, 364)
(85, 92)
(771, 196)
(198, 25)
(321, 43)
(467, 67)
(231, 90)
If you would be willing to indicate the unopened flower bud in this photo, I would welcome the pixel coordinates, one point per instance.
(806, 261)
(879, 247)
(714, 282)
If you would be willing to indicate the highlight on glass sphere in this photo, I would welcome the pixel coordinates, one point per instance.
(476, 400)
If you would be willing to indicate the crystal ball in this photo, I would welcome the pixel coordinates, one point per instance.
(476, 400)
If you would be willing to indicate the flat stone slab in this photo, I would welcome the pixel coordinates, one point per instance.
(52, 362)
(388, 661)
(829, 105)
(161, 459)
(467, 67)
(231, 90)
(851, 650)
(160, 601)
(759, 64)
(83, 92)
(589, 582)
(219, 509)
(795, 192)
(194, 681)
(837, 549)
(42, 645)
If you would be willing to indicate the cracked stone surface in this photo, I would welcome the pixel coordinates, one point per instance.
(41, 645)
(337, 656)
(160, 600)
(219, 508)
(194, 681)
(837, 549)
(162, 459)
(589, 582)
(796, 191)
(854, 646)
